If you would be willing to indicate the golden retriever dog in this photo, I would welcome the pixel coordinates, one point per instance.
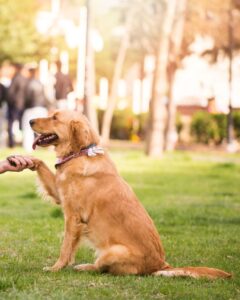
(99, 207)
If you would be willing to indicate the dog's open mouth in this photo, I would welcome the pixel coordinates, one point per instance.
(44, 140)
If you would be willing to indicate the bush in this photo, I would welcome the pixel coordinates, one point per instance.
(143, 122)
(221, 121)
(122, 124)
(126, 125)
(179, 125)
(207, 128)
(236, 123)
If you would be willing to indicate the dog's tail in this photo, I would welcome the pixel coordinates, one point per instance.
(194, 272)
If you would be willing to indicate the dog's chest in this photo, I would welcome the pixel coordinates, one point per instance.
(61, 177)
(74, 185)
(68, 186)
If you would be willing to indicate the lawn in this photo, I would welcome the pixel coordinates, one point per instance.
(193, 198)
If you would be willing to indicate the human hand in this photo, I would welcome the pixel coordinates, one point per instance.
(16, 163)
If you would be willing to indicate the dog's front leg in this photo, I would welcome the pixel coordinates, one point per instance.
(47, 179)
(71, 239)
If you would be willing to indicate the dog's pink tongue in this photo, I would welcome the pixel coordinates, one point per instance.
(35, 142)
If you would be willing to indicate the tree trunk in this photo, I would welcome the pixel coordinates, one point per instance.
(89, 88)
(155, 140)
(108, 115)
(177, 36)
(155, 126)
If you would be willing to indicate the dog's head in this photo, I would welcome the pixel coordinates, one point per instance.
(68, 131)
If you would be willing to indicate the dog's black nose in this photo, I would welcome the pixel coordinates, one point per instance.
(31, 122)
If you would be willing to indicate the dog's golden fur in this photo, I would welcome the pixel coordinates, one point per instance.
(100, 208)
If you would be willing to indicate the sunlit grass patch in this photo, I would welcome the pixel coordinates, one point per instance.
(194, 200)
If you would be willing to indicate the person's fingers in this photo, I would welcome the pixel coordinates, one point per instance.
(15, 161)
(18, 166)
(29, 159)
(21, 160)
(29, 162)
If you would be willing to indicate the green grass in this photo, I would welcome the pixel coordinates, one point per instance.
(194, 200)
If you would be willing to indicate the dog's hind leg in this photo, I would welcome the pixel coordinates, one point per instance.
(86, 267)
(116, 260)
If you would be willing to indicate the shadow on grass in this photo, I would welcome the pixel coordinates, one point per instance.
(225, 194)
(228, 165)
(56, 213)
(29, 195)
(201, 220)
(4, 285)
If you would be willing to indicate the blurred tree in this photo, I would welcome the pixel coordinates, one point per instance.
(155, 138)
(20, 41)
(107, 22)
(145, 35)
(211, 18)
(174, 59)
(108, 115)
(138, 38)
(220, 20)
(191, 18)
(90, 72)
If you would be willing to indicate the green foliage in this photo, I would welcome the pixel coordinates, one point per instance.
(204, 17)
(193, 200)
(143, 35)
(122, 124)
(236, 123)
(221, 121)
(125, 124)
(56, 213)
(202, 128)
(20, 41)
(179, 124)
(208, 128)
(106, 21)
(211, 128)
(143, 123)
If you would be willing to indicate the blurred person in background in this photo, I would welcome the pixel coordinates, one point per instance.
(35, 105)
(3, 97)
(63, 86)
(6, 74)
(3, 94)
(15, 101)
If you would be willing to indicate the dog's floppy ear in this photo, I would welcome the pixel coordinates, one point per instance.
(81, 135)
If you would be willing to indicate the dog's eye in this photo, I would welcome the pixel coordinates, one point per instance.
(54, 118)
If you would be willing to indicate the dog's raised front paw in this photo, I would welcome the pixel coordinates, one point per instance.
(37, 163)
